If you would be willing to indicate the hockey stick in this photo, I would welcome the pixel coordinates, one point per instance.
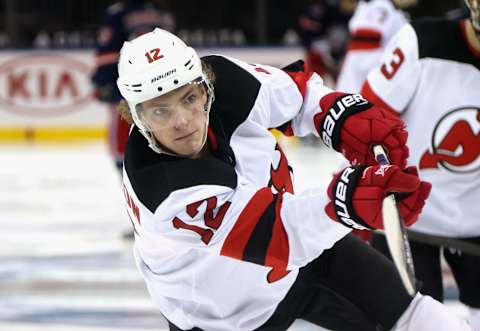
(395, 233)
(462, 245)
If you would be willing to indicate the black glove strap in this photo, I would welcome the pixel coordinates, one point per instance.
(342, 193)
(341, 109)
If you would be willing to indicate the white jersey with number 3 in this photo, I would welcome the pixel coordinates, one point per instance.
(431, 75)
(371, 27)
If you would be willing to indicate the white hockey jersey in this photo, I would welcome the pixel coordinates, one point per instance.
(371, 27)
(431, 75)
(219, 240)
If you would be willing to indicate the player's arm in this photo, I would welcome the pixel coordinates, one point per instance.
(393, 82)
(371, 27)
(298, 103)
(355, 68)
(232, 217)
(364, 49)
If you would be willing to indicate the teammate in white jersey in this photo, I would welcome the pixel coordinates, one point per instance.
(372, 26)
(222, 241)
(431, 75)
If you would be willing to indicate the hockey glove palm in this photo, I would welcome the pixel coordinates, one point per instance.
(351, 125)
(357, 193)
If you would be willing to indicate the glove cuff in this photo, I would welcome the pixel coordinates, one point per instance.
(339, 111)
(342, 193)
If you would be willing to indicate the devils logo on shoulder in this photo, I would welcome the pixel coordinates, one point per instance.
(455, 142)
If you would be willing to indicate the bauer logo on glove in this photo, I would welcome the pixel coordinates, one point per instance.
(357, 193)
(351, 125)
(344, 106)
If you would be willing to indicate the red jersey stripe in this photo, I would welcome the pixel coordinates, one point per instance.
(278, 250)
(300, 78)
(365, 39)
(237, 239)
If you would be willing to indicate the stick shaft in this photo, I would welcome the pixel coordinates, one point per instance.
(395, 233)
(455, 243)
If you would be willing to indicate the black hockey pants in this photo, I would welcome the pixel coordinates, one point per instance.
(350, 287)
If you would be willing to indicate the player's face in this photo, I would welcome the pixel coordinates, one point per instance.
(474, 6)
(405, 3)
(178, 119)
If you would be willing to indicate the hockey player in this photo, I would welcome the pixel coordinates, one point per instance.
(323, 32)
(122, 21)
(222, 241)
(372, 26)
(431, 76)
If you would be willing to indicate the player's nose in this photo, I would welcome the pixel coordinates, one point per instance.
(180, 118)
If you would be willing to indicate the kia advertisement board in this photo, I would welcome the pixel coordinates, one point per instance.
(47, 95)
(44, 84)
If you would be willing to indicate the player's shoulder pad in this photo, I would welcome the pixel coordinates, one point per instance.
(443, 39)
(155, 176)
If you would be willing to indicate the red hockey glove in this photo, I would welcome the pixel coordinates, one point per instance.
(351, 125)
(357, 193)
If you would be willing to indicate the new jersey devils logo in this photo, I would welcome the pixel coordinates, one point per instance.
(281, 176)
(455, 142)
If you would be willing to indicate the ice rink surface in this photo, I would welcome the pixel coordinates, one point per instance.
(63, 263)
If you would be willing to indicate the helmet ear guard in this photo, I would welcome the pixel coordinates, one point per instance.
(155, 64)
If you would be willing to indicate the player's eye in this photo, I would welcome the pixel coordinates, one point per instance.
(191, 98)
(159, 112)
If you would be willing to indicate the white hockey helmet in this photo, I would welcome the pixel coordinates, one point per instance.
(474, 6)
(154, 64)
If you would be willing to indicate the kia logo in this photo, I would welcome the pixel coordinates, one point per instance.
(44, 84)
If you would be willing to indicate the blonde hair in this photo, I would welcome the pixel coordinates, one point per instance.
(124, 110)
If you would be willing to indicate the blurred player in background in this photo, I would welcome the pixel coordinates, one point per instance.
(122, 21)
(430, 74)
(221, 239)
(372, 26)
(323, 30)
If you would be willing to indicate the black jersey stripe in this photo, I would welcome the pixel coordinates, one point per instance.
(443, 39)
(154, 176)
(257, 245)
(236, 91)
